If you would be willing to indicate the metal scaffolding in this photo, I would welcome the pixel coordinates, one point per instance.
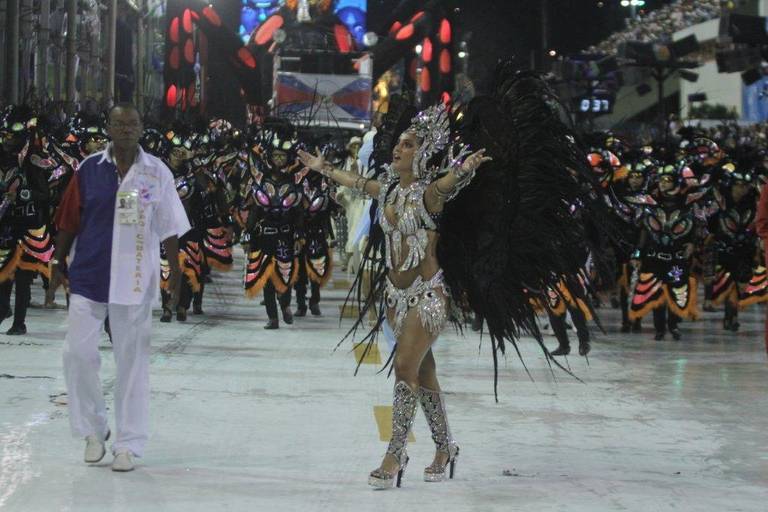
(66, 50)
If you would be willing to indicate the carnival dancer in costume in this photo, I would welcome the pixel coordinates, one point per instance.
(439, 252)
(26, 245)
(215, 226)
(179, 161)
(607, 168)
(417, 300)
(562, 304)
(703, 156)
(663, 258)
(218, 238)
(739, 280)
(275, 201)
(627, 198)
(316, 257)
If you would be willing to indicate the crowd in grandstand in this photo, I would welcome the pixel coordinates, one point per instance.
(660, 24)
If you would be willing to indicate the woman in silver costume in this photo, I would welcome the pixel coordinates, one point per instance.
(411, 197)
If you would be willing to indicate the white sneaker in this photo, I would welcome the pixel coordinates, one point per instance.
(94, 448)
(123, 462)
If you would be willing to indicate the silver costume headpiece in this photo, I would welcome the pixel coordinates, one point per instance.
(432, 126)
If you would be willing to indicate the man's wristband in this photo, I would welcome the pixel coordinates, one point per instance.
(62, 264)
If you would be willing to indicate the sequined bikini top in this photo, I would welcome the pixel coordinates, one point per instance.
(411, 224)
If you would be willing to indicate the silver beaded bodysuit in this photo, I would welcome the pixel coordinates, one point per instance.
(412, 224)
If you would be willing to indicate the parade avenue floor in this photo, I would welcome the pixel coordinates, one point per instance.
(245, 419)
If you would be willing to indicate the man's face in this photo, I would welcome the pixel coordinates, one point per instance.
(666, 184)
(95, 144)
(636, 180)
(12, 142)
(124, 127)
(181, 153)
(279, 158)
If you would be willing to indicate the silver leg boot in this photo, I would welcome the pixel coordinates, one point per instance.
(403, 412)
(433, 405)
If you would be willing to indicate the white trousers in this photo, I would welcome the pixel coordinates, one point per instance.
(131, 327)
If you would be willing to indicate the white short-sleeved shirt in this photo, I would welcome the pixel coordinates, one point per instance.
(135, 265)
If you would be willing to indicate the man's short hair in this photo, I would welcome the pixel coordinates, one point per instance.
(124, 105)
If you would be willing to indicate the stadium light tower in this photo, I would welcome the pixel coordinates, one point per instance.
(663, 61)
(633, 6)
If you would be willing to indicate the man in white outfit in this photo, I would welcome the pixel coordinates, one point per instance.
(117, 209)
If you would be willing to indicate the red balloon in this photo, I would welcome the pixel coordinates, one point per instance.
(173, 30)
(267, 29)
(426, 81)
(405, 33)
(212, 16)
(246, 57)
(446, 98)
(189, 51)
(445, 31)
(395, 27)
(186, 21)
(426, 50)
(416, 17)
(170, 96)
(343, 39)
(445, 61)
(173, 58)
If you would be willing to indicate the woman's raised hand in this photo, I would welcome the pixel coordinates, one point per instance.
(475, 160)
(314, 162)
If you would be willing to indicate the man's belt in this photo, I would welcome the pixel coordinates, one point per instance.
(667, 256)
(273, 230)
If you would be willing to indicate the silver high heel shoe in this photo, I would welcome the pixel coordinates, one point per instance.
(403, 412)
(433, 405)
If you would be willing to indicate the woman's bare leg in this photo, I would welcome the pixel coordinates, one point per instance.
(428, 379)
(428, 372)
(413, 344)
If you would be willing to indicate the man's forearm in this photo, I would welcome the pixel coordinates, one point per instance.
(64, 241)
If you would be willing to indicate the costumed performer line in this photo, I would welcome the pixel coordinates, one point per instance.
(416, 296)
(117, 209)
